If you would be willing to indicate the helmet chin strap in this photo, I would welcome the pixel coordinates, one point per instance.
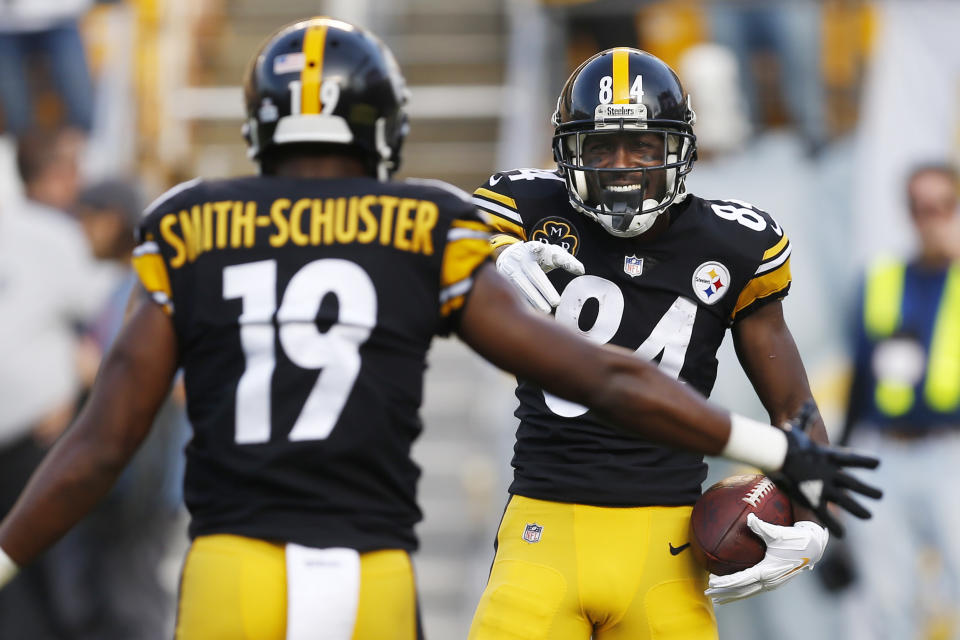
(629, 225)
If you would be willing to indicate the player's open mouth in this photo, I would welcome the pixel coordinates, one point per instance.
(623, 187)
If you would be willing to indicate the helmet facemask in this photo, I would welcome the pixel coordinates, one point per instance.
(624, 200)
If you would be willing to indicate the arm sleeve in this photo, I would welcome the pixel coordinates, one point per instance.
(467, 247)
(157, 242)
(495, 199)
(771, 280)
(152, 273)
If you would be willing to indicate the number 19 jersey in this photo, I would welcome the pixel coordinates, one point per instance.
(669, 299)
(303, 311)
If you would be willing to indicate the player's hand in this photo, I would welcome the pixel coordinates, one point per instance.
(790, 551)
(814, 475)
(526, 265)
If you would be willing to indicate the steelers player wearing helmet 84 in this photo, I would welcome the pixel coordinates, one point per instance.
(301, 303)
(613, 244)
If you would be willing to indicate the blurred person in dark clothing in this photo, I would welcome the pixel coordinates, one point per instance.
(905, 404)
(789, 33)
(110, 585)
(33, 31)
(48, 286)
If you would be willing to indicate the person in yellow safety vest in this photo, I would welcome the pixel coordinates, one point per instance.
(905, 405)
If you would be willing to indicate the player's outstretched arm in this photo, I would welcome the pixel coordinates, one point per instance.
(82, 466)
(628, 391)
(634, 394)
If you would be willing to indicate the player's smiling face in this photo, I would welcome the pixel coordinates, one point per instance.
(623, 150)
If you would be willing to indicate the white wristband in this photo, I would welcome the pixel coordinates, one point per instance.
(8, 568)
(755, 443)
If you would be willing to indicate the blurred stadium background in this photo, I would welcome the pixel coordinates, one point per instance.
(812, 110)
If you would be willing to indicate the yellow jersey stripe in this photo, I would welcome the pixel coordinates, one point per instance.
(775, 249)
(461, 258)
(311, 75)
(451, 305)
(496, 209)
(499, 197)
(763, 286)
(773, 263)
(508, 227)
(621, 80)
(470, 224)
(152, 272)
(502, 239)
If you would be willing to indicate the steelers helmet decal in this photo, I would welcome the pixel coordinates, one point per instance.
(327, 81)
(630, 95)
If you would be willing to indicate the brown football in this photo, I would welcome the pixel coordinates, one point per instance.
(719, 536)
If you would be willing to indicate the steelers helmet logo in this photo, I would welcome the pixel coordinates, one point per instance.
(557, 231)
(710, 282)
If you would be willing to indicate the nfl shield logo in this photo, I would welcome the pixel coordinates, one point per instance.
(632, 266)
(532, 533)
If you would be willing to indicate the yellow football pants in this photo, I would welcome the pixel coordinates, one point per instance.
(574, 572)
(236, 588)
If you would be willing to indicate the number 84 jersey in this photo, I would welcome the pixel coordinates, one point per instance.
(669, 299)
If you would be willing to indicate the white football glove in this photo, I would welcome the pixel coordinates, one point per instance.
(790, 551)
(526, 265)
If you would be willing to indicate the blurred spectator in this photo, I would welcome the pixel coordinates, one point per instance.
(38, 34)
(110, 584)
(48, 164)
(905, 406)
(784, 33)
(47, 287)
(710, 73)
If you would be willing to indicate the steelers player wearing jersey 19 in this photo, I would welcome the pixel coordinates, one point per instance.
(300, 304)
(591, 543)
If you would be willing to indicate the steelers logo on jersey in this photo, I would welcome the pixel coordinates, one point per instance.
(555, 230)
(711, 281)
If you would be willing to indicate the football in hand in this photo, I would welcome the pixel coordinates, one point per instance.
(719, 536)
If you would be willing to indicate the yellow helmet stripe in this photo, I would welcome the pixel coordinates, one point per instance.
(311, 76)
(621, 76)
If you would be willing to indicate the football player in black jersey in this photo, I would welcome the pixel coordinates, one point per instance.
(300, 304)
(591, 542)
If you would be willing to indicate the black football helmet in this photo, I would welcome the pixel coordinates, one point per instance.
(326, 81)
(623, 91)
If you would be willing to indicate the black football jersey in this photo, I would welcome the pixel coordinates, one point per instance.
(669, 300)
(304, 310)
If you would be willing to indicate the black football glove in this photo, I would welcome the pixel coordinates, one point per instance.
(813, 475)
